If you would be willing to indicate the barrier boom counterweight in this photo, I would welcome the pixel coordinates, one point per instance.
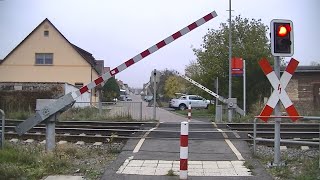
(67, 100)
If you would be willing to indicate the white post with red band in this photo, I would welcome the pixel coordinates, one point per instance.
(189, 112)
(184, 150)
(279, 92)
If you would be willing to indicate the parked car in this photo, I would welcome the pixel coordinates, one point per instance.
(183, 102)
(148, 98)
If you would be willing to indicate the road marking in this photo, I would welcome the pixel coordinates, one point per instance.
(223, 134)
(214, 124)
(138, 146)
(236, 134)
(232, 147)
(235, 150)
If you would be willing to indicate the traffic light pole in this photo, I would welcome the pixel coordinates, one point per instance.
(277, 121)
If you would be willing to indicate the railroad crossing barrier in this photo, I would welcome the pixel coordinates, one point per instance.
(218, 116)
(68, 100)
(184, 150)
(2, 128)
(302, 118)
(50, 124)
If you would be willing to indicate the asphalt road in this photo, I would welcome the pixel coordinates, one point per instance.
(161, 114)
(159, 146)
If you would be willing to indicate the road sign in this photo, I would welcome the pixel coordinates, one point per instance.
(237, 67)
(279, 92)
(68, 99)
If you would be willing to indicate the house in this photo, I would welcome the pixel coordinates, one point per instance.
(46, 56)
(304, 89)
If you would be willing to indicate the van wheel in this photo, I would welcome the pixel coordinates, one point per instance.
(182, 107)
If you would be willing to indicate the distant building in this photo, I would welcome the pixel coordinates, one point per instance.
(46, 56)
(304, 89)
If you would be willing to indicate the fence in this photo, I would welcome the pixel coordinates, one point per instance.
(120, 109)
(2, 129)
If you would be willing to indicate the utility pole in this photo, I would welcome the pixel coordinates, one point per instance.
(230, 56)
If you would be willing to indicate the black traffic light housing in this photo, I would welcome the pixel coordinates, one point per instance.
(281, 37)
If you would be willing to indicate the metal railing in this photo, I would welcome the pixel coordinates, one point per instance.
(115, 109)
(2, 128)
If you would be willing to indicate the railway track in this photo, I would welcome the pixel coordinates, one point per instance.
(98, 131)
(87, 131)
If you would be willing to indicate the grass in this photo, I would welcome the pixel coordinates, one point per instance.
(294, 169)
(197, 113)
(90, 113)
(31, 162)
(18, 115)
(80, 114)
(171, 173)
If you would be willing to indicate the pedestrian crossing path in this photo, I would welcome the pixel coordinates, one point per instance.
(195, 168)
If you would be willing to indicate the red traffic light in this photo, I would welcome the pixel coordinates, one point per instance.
(283, 30)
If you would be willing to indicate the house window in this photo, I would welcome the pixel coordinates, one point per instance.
(78, 85)
(46, 33)
(44, 58)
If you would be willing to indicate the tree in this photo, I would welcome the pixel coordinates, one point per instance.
(110, 90)
(250, 42)
(174, 84)
(314, 63)
(165, 74)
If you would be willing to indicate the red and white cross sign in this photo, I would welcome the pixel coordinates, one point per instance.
(279, 92)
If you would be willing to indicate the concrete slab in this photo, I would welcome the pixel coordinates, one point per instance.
(195, 168)
(283, 148)
(29, 141)
(61, 177)
(97, 143)
(14, 140)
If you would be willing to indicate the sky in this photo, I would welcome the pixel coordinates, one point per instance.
(117, 30)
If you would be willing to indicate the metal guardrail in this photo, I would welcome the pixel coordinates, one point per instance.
(2, 128)
(303, 118)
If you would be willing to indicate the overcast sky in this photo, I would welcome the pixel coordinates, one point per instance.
(117, 30)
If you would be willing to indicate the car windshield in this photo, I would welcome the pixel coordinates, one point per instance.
(183, 97)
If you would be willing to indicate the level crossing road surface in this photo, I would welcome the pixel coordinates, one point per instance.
(161, 114)
(211, 156)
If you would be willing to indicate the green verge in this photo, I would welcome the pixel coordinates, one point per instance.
(32, 162)
(302, 168)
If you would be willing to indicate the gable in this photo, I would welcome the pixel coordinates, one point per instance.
(65, 53)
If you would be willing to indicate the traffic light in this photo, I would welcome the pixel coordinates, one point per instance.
(281, 37)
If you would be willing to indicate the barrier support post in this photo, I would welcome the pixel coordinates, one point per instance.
(51, 132)
(189, 112)
(184, 150)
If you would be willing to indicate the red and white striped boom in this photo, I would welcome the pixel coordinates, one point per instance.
(220, 98)
(146, 53)
(68, 99)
